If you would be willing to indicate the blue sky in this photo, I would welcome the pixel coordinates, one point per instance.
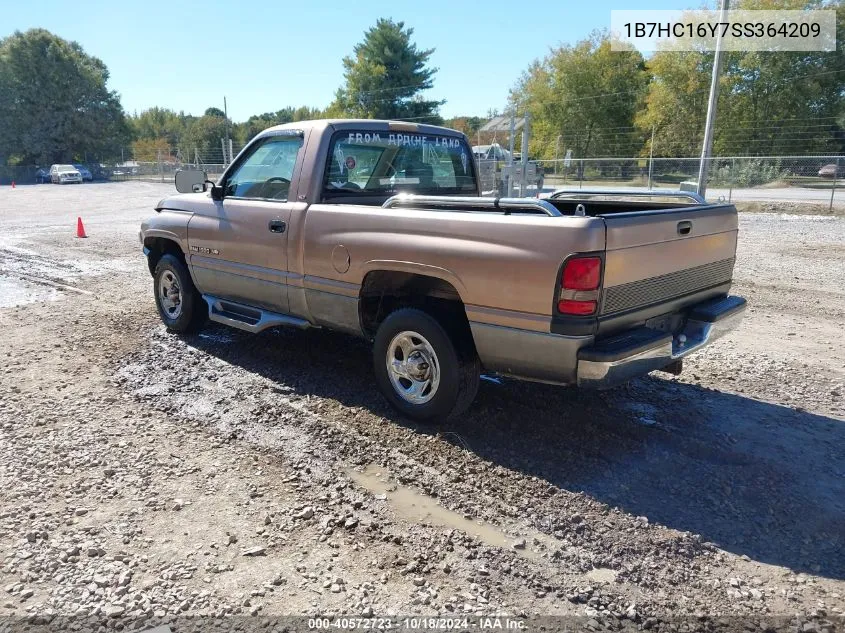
(267, 54)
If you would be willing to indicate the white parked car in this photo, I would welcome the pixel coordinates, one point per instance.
(65, 174)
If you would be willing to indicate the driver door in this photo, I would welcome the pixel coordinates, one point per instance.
(238, 248)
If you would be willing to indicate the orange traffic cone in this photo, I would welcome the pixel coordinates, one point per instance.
(80, 230)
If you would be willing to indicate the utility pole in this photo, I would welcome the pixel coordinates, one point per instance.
(523, 185)
(510, 155)
(557, 152)
(711, 105)
(227, 146)
(650, 157)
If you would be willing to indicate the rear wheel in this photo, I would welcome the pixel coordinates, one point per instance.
(180, 305)
(428, 372)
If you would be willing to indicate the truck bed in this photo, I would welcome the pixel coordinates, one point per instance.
(663, 250)
(603, 203)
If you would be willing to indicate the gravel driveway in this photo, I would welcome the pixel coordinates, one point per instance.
(147, 477)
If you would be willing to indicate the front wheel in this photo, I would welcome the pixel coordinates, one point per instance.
(427, 372)
(180, 305)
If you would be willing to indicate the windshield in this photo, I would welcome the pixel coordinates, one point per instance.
(66, 168)
(375, 163)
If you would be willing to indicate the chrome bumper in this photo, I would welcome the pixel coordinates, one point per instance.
(636, 353)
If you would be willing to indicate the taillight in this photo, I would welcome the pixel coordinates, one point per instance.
(579, 285)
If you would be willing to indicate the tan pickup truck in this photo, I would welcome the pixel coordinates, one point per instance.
(376, 228)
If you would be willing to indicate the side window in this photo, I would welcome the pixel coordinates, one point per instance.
(267, 170)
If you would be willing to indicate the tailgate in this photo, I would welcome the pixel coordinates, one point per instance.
(660, 261)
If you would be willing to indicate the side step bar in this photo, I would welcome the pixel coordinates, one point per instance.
(248, 318)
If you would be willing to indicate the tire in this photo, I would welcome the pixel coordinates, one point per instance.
(410, 336)
(180, 305)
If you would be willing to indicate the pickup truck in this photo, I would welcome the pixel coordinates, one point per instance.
(377, 229)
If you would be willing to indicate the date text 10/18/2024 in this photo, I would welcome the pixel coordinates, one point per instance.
(492, 623)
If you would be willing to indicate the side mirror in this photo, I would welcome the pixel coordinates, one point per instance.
(190, 180)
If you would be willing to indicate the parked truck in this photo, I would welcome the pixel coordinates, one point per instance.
(377, 229)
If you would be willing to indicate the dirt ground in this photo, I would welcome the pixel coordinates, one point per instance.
(146, 477)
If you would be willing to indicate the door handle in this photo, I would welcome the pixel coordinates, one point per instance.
(684, 227)
(277, 226)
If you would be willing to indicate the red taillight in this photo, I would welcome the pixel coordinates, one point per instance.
(579, 282)
(581, 273)
(580, 308)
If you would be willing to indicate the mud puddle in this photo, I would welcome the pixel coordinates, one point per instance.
(29, 276)
(416, 507)
(15, 292)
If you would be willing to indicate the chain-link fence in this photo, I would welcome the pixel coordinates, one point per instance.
(159, 166)
(162, 166)
(818, 179)
(802, 178)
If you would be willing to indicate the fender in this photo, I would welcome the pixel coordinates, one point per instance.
(169, 224)
(418, 269)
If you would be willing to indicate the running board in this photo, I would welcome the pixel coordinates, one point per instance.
(248, 318)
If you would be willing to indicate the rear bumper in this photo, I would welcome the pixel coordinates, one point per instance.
(636, 352)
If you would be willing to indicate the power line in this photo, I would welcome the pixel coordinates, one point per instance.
(703, 90)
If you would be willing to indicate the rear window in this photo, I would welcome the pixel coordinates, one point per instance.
(376, 163)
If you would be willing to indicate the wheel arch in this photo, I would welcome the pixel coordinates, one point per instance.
(158, 245)
(384, 290)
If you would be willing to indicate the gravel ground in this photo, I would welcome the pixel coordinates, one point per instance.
(147, 477)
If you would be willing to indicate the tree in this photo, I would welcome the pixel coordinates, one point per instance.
(676, 103)
(386, 76)
(160, 123)
(469, 125)
(585, 95)
(54, 102)
(148, 150)
(244, 132)
(212, 111)
(784, 102)
(775, 103)
(203, 135)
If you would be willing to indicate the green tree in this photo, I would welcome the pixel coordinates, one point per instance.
(203, 135)
(775, 103)
(54, 102)
(150, 149)
(469, 125)
(676, 103)
(583, 97)
(212, 111)
(783, 102)
(386, 76)
(245, 131)
(157, 123)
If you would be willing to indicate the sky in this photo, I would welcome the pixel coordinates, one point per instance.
(263, 55)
